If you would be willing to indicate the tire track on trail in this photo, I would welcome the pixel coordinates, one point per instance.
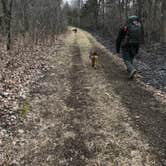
(147, 114)
(76, 151)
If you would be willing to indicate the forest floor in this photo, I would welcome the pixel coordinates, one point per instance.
(75, 115)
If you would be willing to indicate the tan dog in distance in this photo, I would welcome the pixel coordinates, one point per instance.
(74, 30)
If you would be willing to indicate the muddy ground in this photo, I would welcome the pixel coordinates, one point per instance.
(79, 116)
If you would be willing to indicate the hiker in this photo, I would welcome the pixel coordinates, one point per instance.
(129, 40)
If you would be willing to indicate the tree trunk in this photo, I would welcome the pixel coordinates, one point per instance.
(96, 13)
(8, 18)
(163, 21)
(140, 8)
(9, 25)
(126, 9)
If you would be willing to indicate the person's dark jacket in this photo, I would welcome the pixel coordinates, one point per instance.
(120, 41)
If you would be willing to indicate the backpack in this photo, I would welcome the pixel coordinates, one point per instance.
(133, 32)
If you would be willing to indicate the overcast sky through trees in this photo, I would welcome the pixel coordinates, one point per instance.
(67, 1)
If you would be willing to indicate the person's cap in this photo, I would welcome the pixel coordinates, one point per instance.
(132, 18)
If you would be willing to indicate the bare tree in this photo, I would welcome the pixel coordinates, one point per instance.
(7, 8)
(31, 19)
(163, 21)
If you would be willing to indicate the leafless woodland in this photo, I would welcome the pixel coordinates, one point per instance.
(31, 20)
(108, 15)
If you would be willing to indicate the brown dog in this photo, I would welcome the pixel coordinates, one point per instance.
(93, 56)
(74, 30)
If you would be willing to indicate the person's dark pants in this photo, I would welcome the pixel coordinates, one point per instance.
(128, 55)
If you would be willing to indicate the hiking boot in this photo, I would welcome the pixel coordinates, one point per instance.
(132, 73)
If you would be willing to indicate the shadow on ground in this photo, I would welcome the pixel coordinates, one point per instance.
(75, 149)
(146, 112)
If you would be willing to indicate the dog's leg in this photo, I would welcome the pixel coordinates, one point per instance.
(96, 62)
(93, 61)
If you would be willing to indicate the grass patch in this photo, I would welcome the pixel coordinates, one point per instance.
(25, 108)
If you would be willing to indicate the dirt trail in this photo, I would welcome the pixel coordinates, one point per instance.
(81, 116)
